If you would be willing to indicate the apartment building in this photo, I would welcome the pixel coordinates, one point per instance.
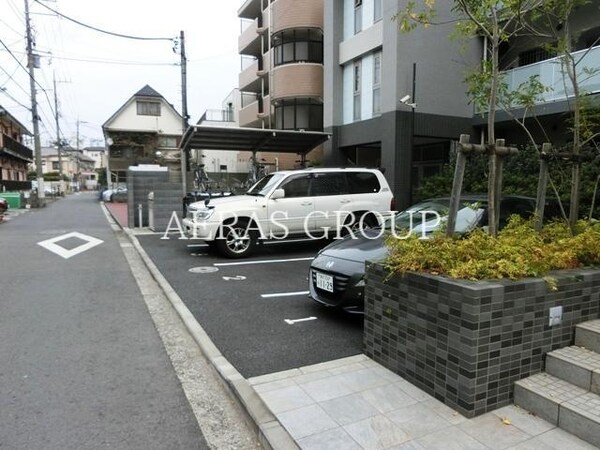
(15, 157)
(398, 100)
(281, 83)
(393, 100)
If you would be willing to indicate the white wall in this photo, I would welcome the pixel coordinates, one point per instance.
(168, 122)
(348, 94)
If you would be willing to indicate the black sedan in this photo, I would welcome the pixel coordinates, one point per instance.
(336, 275)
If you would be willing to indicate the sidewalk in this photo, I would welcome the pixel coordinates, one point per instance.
(355, 403)
(119, 212)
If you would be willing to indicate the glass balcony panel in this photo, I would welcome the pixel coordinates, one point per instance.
(550, 73)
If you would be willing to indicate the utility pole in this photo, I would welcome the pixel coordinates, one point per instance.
(34, 110)
(184, 158)
(58, 141)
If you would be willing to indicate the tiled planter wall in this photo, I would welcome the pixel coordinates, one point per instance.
(466, 343)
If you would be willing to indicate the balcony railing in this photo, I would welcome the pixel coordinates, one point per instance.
(15, 148)
(218, 115)
(553, 76)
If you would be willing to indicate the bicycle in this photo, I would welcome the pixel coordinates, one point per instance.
(201, 180)
(255, 172)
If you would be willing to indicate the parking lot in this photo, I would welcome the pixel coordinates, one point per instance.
(257, 310)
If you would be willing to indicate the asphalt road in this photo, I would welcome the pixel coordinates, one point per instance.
(81, 363)
(239, 303)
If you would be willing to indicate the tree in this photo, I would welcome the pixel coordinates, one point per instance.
(555, 16)
(499, 21)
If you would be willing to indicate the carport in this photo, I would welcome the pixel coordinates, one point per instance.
(248, 139)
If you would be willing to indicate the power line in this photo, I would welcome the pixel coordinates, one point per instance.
(111, 33)
(5, 92)
(23, 67)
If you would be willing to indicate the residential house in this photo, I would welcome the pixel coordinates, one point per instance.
(146, 129)
(77, 168)
(14, 156)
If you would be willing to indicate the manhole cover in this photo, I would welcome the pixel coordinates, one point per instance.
(206, 269)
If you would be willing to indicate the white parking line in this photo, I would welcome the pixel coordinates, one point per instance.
(266, 261)
(292, 322)
(285, 294)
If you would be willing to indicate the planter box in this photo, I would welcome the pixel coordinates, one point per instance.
(466, 343)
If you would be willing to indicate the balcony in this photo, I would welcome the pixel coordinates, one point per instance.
(217, 115)
(250, 9)
(11, 147)
(249, 115)
(550, 73)
(288, 14)
(249, 80)
(249, 42)
(298, 80)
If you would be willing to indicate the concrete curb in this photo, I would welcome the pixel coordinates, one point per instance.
(271, 434)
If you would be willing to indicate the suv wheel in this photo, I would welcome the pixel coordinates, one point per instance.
(237, 241)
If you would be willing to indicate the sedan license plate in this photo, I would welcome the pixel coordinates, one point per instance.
(325, 282)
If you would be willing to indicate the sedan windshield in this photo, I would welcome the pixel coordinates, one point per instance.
(265, 184)
(431, 215)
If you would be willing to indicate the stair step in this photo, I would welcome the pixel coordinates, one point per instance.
(581, 417)
(542, 394)
(587, 335)
(577, 365)
(561, 403)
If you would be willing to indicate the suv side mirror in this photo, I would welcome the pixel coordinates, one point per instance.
(278, 193)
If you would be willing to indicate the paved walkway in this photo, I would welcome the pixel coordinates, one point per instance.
(119, 212)
(355, 403)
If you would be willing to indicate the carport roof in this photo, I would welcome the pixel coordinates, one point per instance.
(251, 139)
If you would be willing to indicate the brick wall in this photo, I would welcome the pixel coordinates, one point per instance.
(466, 343)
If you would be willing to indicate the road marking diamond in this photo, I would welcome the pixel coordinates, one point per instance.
(51, 244)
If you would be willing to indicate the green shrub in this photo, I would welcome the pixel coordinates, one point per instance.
(518, 252)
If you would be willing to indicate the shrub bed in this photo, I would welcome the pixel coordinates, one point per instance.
(519, 251)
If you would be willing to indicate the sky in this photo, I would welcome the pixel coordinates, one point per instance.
(97, 73)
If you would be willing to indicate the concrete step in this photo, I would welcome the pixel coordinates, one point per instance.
(542, 394)
(561, 403)
(577, 365)
(587, 335)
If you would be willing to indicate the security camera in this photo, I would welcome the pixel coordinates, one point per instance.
(405, 99)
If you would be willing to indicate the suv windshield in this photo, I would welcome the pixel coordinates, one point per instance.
(264, 185)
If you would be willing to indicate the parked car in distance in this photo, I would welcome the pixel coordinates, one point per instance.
(118, 193)
(3, 205)
(318, 201)
(336, 275)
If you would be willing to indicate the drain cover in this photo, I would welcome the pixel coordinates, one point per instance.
(206, 269)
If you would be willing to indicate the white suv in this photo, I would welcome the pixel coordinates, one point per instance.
(309, 202)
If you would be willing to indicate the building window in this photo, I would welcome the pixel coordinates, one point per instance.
(377, 83)
(357, 16)
(378, 13)
(55, 165)
(299, 45)
(356, 86)
(299, 114)
(145, 108)
(167, 141)
(535, 55)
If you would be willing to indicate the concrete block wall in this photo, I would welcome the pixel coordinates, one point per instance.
(139, 185)
(168, 198)
(466, 343)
